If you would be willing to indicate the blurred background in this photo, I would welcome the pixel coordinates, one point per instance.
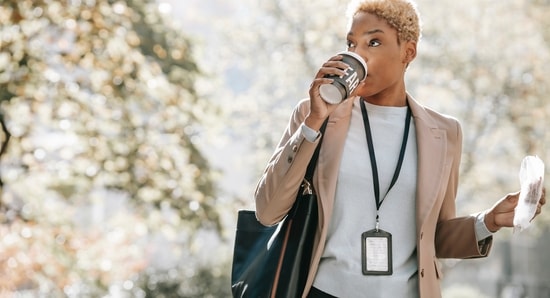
(133, 131)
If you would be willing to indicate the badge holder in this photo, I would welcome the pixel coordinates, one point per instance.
(376, 252)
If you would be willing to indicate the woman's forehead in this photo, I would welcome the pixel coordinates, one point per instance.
(368, 23)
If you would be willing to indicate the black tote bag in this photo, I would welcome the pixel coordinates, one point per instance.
(274, 261)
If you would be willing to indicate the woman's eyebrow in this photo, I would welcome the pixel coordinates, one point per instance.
(373, 31)
(369, 32)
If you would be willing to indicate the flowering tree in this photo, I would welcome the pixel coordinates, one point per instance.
(104, 187)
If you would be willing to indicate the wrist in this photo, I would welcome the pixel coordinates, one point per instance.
(490, 222)
(313, 122)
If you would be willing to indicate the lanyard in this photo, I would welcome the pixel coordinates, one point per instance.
(376, 183)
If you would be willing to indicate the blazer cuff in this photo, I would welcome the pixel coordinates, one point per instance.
(480, 228)
(309, 134)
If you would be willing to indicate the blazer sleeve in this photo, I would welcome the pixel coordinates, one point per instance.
(455, 236)
(278, 186)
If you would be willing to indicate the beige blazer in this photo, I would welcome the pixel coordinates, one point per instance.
(440, 234)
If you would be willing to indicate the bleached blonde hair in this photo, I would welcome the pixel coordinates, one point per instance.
(400, 14)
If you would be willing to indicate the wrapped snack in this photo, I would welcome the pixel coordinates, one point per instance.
(531, 178)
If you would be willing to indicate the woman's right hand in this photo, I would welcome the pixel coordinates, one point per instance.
(320, 109)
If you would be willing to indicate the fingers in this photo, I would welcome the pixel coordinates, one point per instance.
(539, 209)
(334, 66)
(512, 198)
(314, 87)
(542, 201)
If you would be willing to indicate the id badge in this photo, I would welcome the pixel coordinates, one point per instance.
(376, 253)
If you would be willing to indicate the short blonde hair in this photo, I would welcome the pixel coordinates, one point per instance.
(400, 14)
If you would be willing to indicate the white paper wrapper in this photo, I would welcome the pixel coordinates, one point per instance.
(531, 178)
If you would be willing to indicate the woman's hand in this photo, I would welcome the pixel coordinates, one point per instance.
(319, 109)
(502, 213)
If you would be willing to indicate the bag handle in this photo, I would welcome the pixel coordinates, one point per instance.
(308, 178)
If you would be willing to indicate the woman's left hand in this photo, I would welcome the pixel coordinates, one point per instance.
(502, 213)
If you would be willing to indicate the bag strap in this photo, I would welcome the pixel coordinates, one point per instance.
(313, 162)
(307, 182)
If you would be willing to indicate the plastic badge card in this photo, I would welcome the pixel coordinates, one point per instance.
(531, 177)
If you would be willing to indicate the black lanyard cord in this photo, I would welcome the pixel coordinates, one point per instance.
(374, 167)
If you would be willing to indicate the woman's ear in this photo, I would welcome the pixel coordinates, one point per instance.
(410, 52)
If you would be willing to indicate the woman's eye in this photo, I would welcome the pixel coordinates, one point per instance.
(374, 43)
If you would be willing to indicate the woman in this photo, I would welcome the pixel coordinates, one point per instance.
(378, 135)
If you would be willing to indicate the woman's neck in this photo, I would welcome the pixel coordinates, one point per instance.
(392, 97)
(400, 101)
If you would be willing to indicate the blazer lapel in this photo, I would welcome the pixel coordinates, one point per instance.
(330, 157)
(431, 145)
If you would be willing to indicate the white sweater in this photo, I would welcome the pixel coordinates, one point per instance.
(354, 212)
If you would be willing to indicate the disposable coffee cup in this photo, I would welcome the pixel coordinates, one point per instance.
(343, 86)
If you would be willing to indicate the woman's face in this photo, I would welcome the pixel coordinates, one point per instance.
(376, 41)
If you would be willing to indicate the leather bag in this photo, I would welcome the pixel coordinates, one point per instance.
(274, 261)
